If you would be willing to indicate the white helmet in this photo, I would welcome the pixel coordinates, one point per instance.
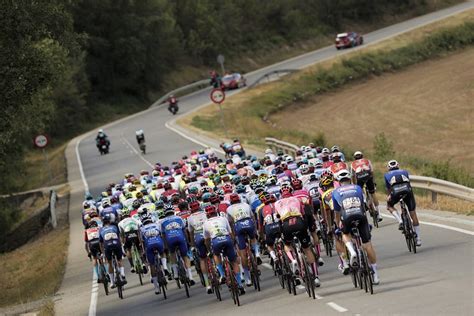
(393, 164)
(268, 151)
(101, 130)
(289, 159)
(335, 148)
(304, 168)
(325, 151)
(343, 174)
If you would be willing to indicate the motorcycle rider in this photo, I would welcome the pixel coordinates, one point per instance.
(140, 135)
(101, 136)
(172, 102)
(215, 79)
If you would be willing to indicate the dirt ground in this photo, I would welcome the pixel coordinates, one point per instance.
(425, 110)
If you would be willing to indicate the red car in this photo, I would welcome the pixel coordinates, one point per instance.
(349, 39)
(233, 81)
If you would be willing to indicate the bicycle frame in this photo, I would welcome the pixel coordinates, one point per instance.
(159, 273)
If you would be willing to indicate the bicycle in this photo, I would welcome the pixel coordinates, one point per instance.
(325, 236)
(304, 269)
(160, 275)
(231, 281)
(253, 267)
(117, 276)
(362, 274)
(137, 263)
(213, 279)
(371, 207)
(103, 275)
(182, 276)
(197, 266)
(408, 230)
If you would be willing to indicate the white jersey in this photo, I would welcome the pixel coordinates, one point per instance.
(216, 227)
(128, 225)
(196, 222)
(239, 211)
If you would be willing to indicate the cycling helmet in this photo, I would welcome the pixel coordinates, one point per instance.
(146, 220)
(326, 172)
(234, 198)
(159, 204)
(318, 164)
(342, 175)
(393, 165)
(169, 209)
(236, 179)
(259, 188)
(92, 224)
(105, 203)
(125, 212)
(286, 191)
(325, 151)
(136, 204)
(211, 210)
(326, 180)
(142, 210)
(256, 165)
(227, 188)
(289, 159)
(240, 188)
(358, 155)
(206, 197)
(313, 177)
(335, 148)
(139, 195)
(88, 196)
(304, 168)
(337, 156)
(214, 198)
(297, 184)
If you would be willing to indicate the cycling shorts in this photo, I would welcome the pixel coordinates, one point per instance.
(368, 181)
(113, 249)
(272, 232)
(177, 242)
(150, 250)
(244, 228)
(200, 244)
(131, 238)
(309, 218)
(363, 226)
(224, 245)
(94, 247)
(296, 227)
(402, 191)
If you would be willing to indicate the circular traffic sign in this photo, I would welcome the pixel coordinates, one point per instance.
(217, 95)
(41, 141)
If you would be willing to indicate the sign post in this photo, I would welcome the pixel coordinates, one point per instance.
(218, 96)
(41, 141)
(221, 60)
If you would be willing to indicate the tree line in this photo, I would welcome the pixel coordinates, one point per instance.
(60, 59)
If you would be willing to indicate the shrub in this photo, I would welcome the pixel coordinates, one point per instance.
(383, 147)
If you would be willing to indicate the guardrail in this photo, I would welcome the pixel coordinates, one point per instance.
(198, 85)
(279, 72)
(421, 182)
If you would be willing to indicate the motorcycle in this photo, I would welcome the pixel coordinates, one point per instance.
(103, 147)
(173, 107)
(143, 147)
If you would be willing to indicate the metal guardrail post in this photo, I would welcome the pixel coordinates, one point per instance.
(52, 207)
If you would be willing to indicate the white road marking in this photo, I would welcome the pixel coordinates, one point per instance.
(318, 297)
(79, 162)
(94, 294)
(267, 265)
(168, 126)
(338, 308)
(459, 230)
(137, 153)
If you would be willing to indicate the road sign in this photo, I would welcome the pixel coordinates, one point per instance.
(41, 141)
(217, 96)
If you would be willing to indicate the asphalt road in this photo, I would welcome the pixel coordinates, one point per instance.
(437, 280)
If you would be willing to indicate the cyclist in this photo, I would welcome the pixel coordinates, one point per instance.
(129, 228)
(242, 219)
(348, 202)
(268, 222)
(291, 213)
(172, 229)
(219, 238)
(92, 244)
(195, 227)
(110, 245)
(140, 136)
(397, 182)
(152, 242)
(362, 174)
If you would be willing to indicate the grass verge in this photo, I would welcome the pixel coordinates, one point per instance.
(35, 270)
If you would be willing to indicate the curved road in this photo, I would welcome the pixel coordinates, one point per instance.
(437, 280)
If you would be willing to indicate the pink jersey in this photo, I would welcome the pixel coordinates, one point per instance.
(303, 196)
(289, 207)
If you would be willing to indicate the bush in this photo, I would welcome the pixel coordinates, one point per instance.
(383, 147)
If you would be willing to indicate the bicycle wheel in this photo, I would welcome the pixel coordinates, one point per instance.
(406, 230)
(234, 288)
(255, 274)
(182, 276)
(105, 278)
(368, 275)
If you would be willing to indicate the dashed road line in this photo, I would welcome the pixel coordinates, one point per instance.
(137, 153)
(338, 308)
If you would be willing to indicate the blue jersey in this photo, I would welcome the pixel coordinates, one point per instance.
(348, 200)
(112, 213)
(396, 177)
(109, 235)
(172, 226)
(150, 234)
